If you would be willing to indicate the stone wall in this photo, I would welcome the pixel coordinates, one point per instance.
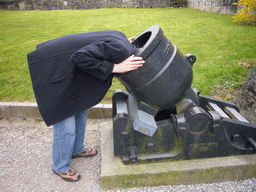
(215, 6)
(219, 6)
(80, 4)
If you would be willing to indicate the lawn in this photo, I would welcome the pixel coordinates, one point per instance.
(225, 51)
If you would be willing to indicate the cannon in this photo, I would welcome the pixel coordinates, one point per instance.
(160, 116)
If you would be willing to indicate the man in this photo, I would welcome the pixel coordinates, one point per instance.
(70, 74)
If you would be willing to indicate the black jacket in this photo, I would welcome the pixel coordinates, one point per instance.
(73, 73)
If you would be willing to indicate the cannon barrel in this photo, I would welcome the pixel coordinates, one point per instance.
(166, 75)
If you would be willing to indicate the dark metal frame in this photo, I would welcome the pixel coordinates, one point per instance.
(197, 127)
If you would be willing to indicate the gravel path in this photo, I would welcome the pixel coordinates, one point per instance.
(25, 156)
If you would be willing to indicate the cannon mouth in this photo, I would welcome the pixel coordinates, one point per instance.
(142, 40)
(147, 41)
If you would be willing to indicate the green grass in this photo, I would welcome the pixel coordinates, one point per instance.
(220, 45)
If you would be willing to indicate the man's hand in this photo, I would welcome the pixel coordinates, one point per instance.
(130, 64)
(131, 39)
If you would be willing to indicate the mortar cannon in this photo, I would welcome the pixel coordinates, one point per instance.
(160, 116)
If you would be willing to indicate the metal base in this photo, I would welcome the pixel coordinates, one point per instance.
(197, 127)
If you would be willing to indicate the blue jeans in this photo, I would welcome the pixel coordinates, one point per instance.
(68, 140)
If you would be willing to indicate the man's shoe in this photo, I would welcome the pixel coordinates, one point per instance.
(69, 175)
(88, 152)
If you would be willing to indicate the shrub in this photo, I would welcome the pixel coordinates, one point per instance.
(247, 14)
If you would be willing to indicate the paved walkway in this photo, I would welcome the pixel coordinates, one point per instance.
(26, 158)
